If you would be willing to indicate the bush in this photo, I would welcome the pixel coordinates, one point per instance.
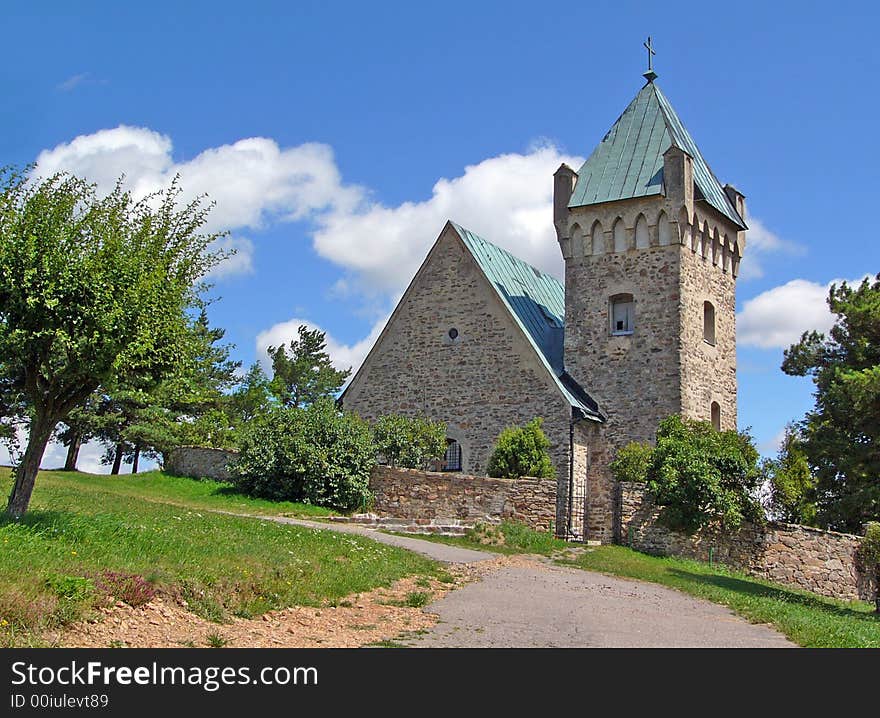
(409, 443)
(869, 552)
(522, 451)
(315, 455)
(701, 475)
(632, 462)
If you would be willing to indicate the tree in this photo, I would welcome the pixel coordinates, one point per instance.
(700, 475)
(251, 398)
(840, 435)
(91, 288)
(522, 451)
(306, 374)
(792, 487)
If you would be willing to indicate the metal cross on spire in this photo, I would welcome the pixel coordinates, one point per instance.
(650, 75)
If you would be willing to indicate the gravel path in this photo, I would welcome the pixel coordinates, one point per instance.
(535, 604)
(437, 551)
(530, 603)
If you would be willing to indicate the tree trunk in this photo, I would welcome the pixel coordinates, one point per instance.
(137, 456)
(26, 474)
(117, 460)
(73, 452)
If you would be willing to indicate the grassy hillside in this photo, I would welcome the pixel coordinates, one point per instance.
(86, 537)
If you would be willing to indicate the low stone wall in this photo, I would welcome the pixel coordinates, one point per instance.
(825, 562)
(199, 462)
(411, 494)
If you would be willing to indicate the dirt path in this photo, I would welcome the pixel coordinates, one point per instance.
(529, 602)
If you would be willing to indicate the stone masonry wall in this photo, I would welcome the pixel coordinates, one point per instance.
(411, 494)
(708, 372)
(484, 380)
(199, 462)
(825, 562)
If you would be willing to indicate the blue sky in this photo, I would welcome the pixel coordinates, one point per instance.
(337, 137)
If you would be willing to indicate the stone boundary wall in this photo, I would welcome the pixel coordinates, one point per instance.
(411, 494)
(825, 562)
(200, 462)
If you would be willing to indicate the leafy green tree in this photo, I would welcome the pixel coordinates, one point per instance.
(632, 462)
(700, 475)
(251, 398)
(840, 435)
(91, 288)
(305, 374)
(792, 487)
(409, 442)
(316, 455)
(522, 451)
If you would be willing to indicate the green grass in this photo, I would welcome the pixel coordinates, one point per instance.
(78, 527)
(518, 539)
(806, 618)
(201, 494)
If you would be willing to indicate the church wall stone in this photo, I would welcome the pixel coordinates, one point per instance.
(485, 379)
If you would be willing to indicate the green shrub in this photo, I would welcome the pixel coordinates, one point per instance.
(700, 475)
(522, 451)
(632, 462)
(869, 552)
(409, 443)
(314, 455)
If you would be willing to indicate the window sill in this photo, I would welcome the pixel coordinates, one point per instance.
(707, 342)
(621, 334)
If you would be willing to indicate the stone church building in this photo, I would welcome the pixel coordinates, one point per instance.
(643, 327)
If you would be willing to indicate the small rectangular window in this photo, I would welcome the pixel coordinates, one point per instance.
(622, 316)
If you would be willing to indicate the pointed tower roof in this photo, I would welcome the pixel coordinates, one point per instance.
(629, 160)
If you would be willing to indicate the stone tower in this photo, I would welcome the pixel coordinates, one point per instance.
(652, 245)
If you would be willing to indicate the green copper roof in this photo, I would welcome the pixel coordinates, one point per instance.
(629, 160)
(537, 303)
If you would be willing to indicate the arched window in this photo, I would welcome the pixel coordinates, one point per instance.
(619, 236)
(597, 238)
(622, 314)
(643, 237)
(577, 241)
(709, 323)
(716, 416)
(452, 457)
(664, 230)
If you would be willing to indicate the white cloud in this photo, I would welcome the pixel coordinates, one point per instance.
(778, 317)
(242, 262)
(760, 242)
(253, 181)
(71, 83)
(507, 199)
(342, 355)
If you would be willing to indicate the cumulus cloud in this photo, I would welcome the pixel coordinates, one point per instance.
(761, 241)
(342, 356)
(778, 317)
(507, 199)
(253, 181)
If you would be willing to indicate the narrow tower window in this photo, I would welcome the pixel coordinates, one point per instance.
(709, 323)
(716, 416)
(622, 314)
(452, 458)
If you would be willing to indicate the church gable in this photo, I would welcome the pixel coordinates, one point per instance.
(452, 351)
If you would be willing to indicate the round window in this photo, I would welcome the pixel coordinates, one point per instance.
(453, 333)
